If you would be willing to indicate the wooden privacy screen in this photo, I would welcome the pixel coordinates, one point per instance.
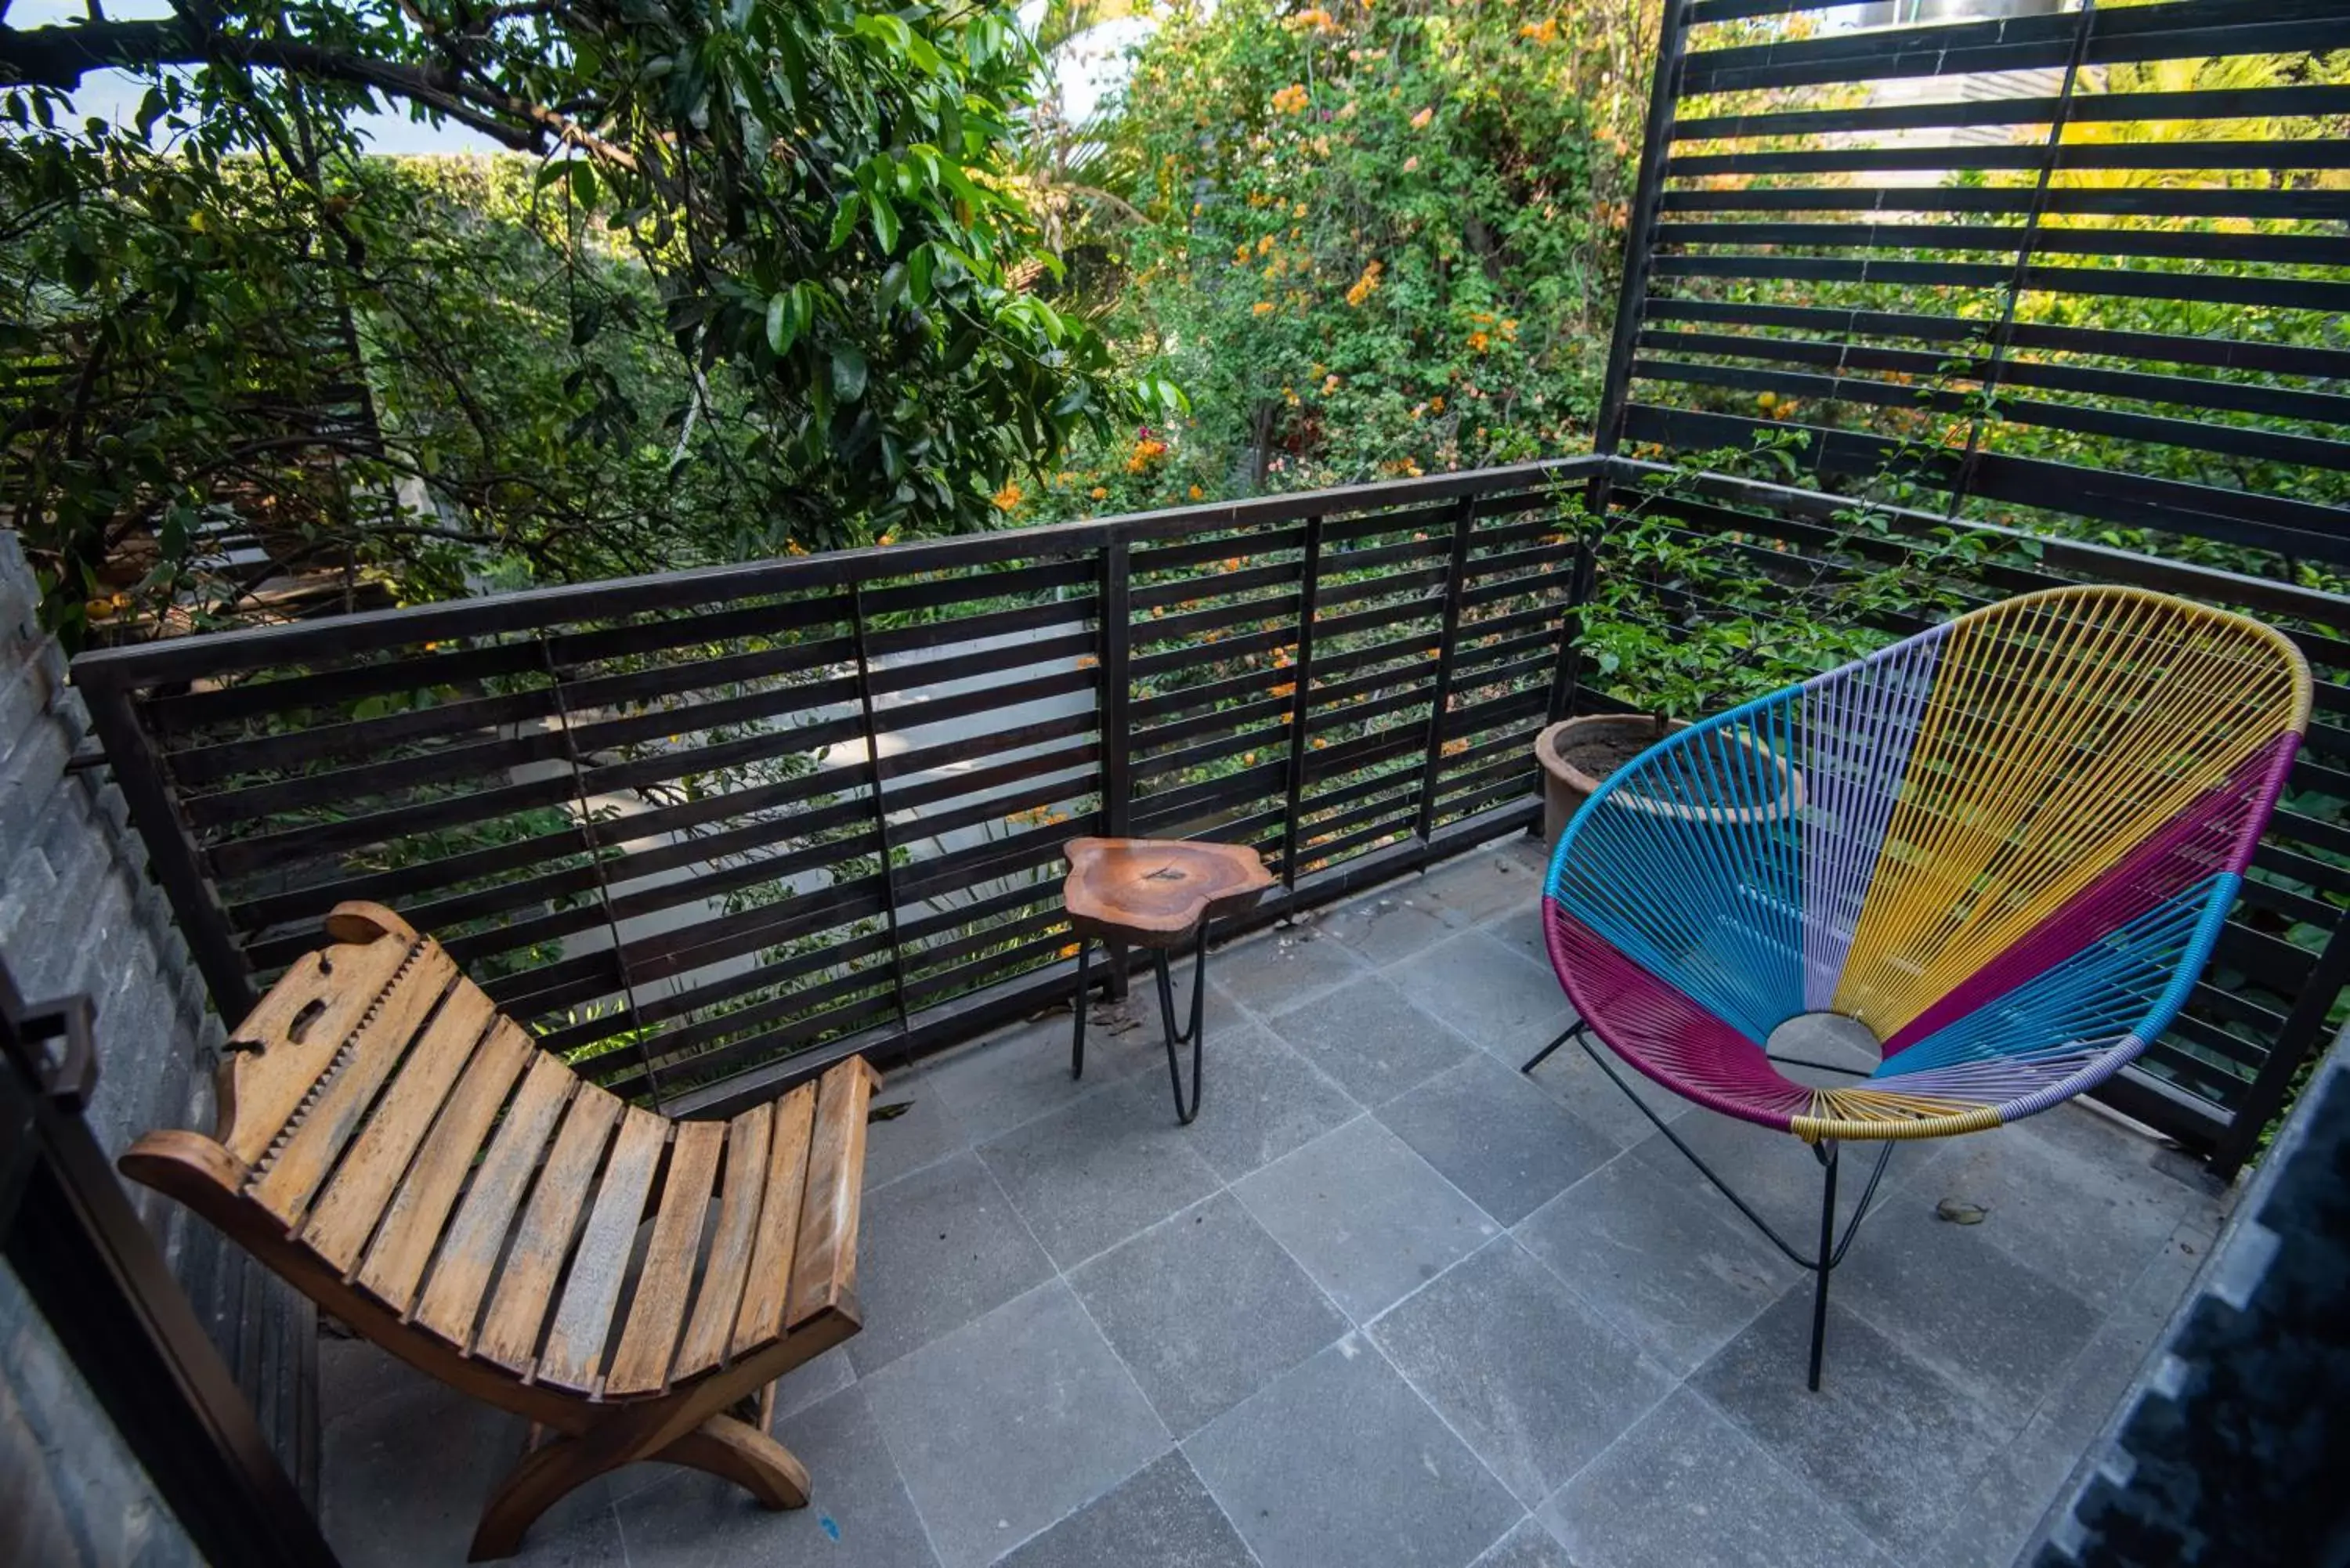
(2088, 259)
(2073, 270)
(709, 831)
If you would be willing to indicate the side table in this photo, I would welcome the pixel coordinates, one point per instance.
(1157, 893)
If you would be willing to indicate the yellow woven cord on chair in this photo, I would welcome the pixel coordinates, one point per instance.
(2064, 730)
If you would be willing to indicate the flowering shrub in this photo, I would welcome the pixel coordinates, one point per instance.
(1376, 240)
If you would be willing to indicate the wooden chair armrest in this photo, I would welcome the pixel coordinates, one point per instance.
(189, 1166)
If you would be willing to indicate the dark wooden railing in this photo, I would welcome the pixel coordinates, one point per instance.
(709, 830)
(2076, 269)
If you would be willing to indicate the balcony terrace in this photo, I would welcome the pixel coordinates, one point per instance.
(1385, 1301)
(1388, 1301)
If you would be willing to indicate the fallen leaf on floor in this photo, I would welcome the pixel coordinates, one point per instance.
(1958, 1212)
(888, 1113)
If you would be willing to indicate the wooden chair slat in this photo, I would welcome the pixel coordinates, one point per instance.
(526, 1285)
(323, 997)
(346, 1213)
(648, 1342)
(823, 1264)
(461, 1268)
(412, 1224)
(760, 1318)
(745, 1184)
(600, 1264)
(319, 1134)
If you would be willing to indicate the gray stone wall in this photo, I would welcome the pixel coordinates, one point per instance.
(78, 912)
(72, 1494)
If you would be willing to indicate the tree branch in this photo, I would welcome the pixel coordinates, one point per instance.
(60, 57)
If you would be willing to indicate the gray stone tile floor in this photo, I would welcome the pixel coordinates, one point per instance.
(1386, 1303)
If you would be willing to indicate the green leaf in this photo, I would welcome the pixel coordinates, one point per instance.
(885, 224)
(847, 373)
(783, 320)
(844, 219)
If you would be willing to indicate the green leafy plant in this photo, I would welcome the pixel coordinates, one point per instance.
(771, 265)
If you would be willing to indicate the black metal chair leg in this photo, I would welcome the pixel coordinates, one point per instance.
(1543, 1055)
(1192, 1036)
(1831, 1246)
(1828, 1255)
(1078, 1040)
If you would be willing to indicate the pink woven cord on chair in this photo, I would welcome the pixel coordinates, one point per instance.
(1665, 1034)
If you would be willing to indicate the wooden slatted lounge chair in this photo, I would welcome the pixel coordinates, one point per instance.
(405, 1156)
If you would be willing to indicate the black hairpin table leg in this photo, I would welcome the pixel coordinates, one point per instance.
(1191, 1036)
(1185, 1109)
(1077, 1043)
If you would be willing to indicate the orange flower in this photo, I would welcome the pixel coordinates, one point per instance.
(1262, 307)
(1419, 121)
(1100, 492)
(1411, 164)
(1290, 98)
(1198, 494)
(1479, 342)
(1365, 286)
(1008, 497)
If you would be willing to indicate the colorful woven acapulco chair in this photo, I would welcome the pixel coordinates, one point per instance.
(2005, 846)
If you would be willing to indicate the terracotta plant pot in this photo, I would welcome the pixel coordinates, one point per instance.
(1568, 783)
(1565, 786)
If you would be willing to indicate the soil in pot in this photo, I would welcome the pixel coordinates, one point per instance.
(1600, 755)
